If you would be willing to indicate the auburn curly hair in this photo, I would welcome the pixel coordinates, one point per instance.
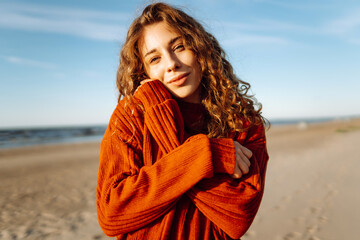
(224, 96)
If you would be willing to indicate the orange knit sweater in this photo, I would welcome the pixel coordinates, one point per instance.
(155, 184)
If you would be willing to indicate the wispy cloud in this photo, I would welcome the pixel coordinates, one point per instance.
(300, 5)
(264, 25)
(99, 25)
(245, 39)
(325, 22)
(260, 32)
(28, 62)
(346, 27)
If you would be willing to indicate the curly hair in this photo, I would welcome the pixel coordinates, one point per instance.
(224, 96)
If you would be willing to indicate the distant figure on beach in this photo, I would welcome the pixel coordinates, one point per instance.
(184, 155)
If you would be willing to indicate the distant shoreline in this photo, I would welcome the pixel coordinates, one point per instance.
(14, 138)
(38, 136)
(292, 121)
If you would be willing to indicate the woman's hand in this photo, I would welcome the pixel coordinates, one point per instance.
(142, 82)
(242, 162)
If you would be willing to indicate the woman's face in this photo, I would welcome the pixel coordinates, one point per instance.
(167, 59)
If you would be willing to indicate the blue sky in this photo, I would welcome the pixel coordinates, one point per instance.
(58, 59)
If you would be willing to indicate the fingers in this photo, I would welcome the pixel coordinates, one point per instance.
(244, 159)
(146, 80)
(242, 163)
(246, 151)
(243, 166)
(237, 172)
(243, 149)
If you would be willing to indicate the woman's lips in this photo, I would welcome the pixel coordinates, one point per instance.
(179, 80)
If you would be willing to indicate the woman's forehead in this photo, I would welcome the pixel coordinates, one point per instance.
(157, 34)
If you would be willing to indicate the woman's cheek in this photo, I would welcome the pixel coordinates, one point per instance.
(155, 73)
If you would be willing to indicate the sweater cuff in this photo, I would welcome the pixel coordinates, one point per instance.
(152, 93)
(223, 155)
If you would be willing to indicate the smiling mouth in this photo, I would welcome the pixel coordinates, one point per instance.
(179, 78)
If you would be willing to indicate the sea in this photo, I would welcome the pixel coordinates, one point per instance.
(22, 137)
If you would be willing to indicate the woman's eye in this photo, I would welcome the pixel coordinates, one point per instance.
(179, 47)
(154, 59)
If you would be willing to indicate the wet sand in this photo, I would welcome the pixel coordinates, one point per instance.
(48, 192)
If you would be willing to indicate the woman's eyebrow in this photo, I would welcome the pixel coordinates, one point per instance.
(174, 40)
(150, 52)
(170, 43)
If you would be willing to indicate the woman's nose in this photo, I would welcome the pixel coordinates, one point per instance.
(172, 62)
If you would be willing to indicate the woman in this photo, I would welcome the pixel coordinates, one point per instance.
(184, 155)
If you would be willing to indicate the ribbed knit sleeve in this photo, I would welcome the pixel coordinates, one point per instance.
(166, 124)
(130, 197)
(229, 203)
(223, 155)
(152, 93)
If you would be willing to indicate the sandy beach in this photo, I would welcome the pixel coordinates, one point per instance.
(312, 193)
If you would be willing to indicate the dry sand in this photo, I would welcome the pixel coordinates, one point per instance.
(311, 190)
(48, 192)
